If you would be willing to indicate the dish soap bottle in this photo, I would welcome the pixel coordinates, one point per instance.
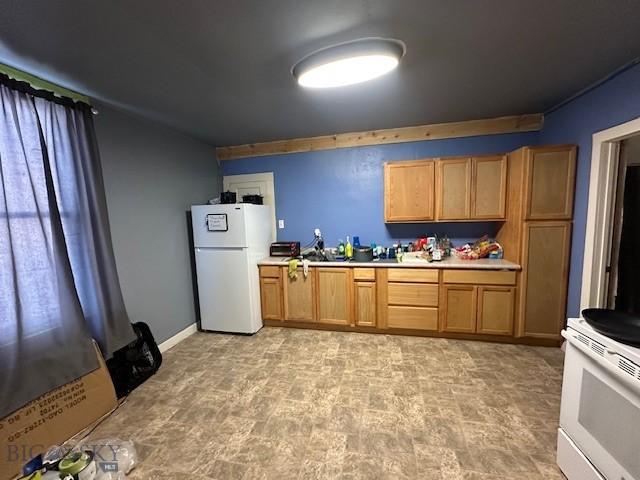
(348, 249)
(341, 248)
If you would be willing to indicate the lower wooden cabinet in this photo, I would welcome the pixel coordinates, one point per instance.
(334, 295)
(495, 310)
(365, 303)
(545, 262)
(299, 296)
(458, 309)
(271, 298)
(477, 309)
(479, 302)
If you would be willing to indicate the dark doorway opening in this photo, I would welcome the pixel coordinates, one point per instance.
(624, 270)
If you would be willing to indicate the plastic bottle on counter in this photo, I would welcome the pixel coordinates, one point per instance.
(348, 250)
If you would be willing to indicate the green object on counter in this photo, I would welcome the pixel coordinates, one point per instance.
(293, 269)
(341, 248)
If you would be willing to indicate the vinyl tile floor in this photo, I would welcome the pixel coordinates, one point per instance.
(305, 404)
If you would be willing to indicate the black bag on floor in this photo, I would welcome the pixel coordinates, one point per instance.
(133, 364)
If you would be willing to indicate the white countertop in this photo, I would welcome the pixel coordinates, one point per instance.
(450, 262)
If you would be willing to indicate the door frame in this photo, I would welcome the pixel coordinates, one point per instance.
(605, 154)
(259, 177)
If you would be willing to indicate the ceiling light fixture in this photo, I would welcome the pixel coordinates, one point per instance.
(348, 63)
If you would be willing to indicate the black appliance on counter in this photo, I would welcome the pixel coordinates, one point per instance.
(228, 197)
(255, 199)
(284, 249)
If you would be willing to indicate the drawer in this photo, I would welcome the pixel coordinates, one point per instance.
(481, 277)
(364, 274)
(415, 294)
(270, 271)
(413, 275)
(418, 318)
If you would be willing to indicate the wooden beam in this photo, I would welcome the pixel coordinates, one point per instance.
(437, 131)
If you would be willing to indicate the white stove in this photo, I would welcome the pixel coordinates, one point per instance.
(599, 434)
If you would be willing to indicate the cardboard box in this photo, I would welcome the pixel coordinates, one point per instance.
(54, 418)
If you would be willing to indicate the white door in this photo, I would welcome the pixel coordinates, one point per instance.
(253, 184)
(223, 284)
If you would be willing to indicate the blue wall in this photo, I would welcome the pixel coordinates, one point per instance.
(612, 103)
(341, 191)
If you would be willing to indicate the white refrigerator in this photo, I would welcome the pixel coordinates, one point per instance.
(229, 240)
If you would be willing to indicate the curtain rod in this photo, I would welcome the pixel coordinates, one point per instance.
(39, 83)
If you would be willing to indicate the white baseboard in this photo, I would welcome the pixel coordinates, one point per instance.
(178, 337)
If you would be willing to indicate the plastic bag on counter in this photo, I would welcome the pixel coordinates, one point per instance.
(114, 457)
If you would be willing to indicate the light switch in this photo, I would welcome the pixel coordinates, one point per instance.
(280, 223)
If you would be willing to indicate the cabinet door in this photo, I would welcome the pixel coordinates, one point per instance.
(365, 303)
(459, 308)
(334, 295)
(489, 187)
(409, 191)
(271, 299)
(545, 270)
(299, 296)
(453, 194)
(550, 183)
(495, 310)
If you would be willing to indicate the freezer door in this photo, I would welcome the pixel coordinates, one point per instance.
(223, 288)
(219, 226)
(259, 226)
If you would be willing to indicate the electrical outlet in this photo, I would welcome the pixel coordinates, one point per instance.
(280, 223)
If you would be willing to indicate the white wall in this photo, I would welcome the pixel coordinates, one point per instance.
(152, 175)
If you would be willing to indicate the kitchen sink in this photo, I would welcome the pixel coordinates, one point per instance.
(316, 258)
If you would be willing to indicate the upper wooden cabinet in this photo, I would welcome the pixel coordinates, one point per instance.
(550, 181)
(475, 188)
(409, 191)
(465, 188)
(335, 295)
(488, 187)
(471, 188)
(453, 189)
(299, 296)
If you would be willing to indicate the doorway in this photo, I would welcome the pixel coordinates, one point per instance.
(599, 289)
(623, 289)
(254, 184)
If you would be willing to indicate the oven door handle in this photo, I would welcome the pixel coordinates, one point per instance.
(630, 380)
